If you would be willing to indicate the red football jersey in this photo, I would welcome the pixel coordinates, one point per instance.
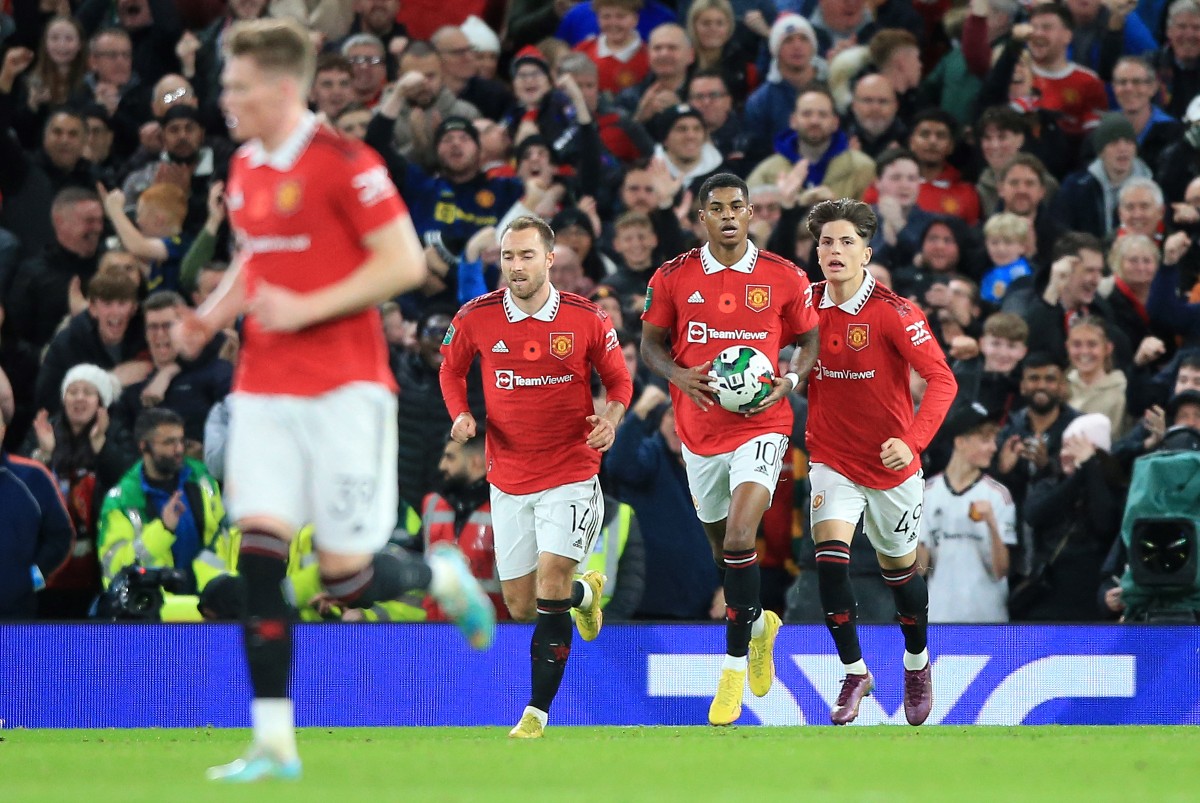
(858, 392)
(612, 74)
(1077, 92)
(763, 301)
(299, 215)
(537, 372)
(947, 194)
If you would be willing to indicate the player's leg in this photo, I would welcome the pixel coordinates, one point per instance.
(753, 473)
(893, 522)
(708, 480)
(352, 434)
(834, 511)
(266, 472)
(567, 520)
(587, 592)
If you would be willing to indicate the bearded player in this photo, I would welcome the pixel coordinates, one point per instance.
(723, 294)
(538, 347)
(865, 443)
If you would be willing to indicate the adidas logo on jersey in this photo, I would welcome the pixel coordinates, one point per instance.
(578, 544)
(695, 298)
(761, 469)
(500, 348)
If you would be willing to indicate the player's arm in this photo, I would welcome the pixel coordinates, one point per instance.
(694, 382)
(395, 263)
(802, 361)
(911, 337)
(136, 243)
(457, 353)
(610, 363)
(195, 328)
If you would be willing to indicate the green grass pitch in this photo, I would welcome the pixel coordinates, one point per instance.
(574, 765)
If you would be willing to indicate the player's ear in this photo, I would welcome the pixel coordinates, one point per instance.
(868, 253)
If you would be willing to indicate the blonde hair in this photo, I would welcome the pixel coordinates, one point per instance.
(1007, 226)
(276, 45)
(1127, 243)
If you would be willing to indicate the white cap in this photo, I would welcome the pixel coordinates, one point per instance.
(105, 383)
(787, 25)
(1096, 427)
(1192, 115)
(481, 37)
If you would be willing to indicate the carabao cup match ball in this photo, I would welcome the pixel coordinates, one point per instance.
(744, 378)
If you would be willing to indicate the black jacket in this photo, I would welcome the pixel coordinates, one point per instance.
(79, 342)
(38, 300)
(424, 422)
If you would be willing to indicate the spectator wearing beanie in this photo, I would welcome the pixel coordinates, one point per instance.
(1088, 199)
(537, 103)
(794, 65)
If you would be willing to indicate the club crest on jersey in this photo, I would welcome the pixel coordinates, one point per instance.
(858, 336)
(562, 344)
(287, 197)
(485, 198)
(818, 501)
(758, 296)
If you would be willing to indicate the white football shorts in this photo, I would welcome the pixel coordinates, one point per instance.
(712, 478)
(563, 520)
(893, 516)
(328, 460)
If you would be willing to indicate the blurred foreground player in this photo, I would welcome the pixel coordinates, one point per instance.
(323, 238)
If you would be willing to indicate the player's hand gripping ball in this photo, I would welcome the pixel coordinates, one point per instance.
(744, 378)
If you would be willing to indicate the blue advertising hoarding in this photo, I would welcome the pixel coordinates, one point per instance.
(65, 676)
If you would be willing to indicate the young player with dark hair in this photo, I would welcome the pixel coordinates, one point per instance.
(865, 444)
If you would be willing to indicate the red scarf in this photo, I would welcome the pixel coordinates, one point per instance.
(1138, 306)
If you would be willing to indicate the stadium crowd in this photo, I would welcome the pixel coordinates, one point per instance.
(1035, 170)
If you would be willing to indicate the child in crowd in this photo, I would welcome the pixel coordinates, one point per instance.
(1007, 238)
(156, 238)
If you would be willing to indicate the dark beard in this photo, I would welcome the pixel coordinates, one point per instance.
(1041, 409)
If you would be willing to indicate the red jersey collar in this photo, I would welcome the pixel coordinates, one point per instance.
(547, 313)
(743, 265)
(284, 157)
(856, 302)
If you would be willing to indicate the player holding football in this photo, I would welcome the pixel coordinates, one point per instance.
(323, 237)
(723, 294)
(539, 347)
(864, 445)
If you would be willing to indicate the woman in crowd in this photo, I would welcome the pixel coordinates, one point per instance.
(87, 453)
(57, 73)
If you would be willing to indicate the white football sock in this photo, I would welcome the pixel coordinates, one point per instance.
(859, 667)
(735, 662)
(587, 595)
(273, 719)
(915, 662)
(759, 625)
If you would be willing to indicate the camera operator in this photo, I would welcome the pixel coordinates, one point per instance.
(1179, 431)
(165, 512)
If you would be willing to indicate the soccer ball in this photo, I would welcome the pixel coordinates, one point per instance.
(744, 378)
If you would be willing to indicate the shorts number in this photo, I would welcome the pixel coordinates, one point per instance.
(766, 452)
(581, 520)
(904, 525)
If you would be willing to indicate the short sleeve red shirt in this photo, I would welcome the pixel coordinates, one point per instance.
(299, 216)
(763, 301)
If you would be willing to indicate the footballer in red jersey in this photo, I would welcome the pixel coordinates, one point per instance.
(322, 238)
(723, 294)
(865, 444)
(538, 348)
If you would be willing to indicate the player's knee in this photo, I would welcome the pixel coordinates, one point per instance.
(524, 611)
